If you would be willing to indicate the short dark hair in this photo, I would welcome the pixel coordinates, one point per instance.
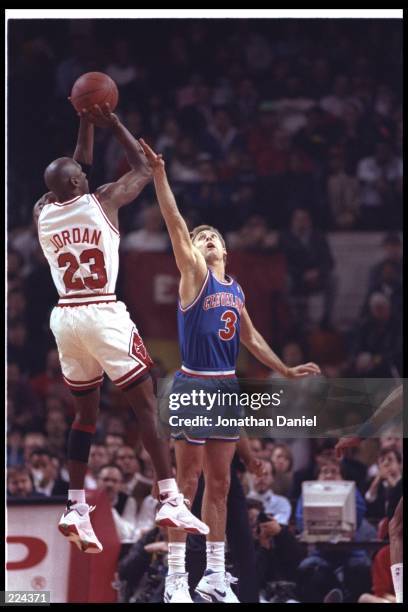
(390, 449)
(42, 451)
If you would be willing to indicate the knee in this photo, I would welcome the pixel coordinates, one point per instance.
(218, 487)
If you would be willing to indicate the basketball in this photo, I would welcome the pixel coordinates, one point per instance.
(94, 88)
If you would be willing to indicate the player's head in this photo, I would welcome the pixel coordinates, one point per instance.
(65, 178)
(210, 243)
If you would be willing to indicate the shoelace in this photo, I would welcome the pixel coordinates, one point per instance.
(176, 498)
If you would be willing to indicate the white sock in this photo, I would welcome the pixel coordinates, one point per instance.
(397, 581)
(168, 487)
(216, 556)
(176, 558)
(77, 495)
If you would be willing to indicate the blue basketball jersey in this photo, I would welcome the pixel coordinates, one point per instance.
(209, 328)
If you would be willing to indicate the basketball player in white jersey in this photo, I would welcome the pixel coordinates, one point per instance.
(79, 235)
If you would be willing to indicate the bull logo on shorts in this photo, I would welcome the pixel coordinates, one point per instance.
(138, 348)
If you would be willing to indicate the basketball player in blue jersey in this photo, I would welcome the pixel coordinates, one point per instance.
(212, 321)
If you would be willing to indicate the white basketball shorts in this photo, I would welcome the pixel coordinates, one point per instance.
(94, 338)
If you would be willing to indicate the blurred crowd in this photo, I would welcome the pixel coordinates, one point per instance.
(276, 132)
(286, 568)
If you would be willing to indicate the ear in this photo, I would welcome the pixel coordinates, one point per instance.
(74, 180)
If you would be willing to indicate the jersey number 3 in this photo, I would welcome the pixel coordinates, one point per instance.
(97, 269)
(229, 318)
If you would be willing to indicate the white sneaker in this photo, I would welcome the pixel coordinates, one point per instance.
(76, 525)
(173, 512)
(176, 589)
(216, 587)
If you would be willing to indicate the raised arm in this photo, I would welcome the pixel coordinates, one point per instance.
(83, 153)
(188, 258)
(115, 195)
(257, 345)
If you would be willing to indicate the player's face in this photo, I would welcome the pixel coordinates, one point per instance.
(210, 245)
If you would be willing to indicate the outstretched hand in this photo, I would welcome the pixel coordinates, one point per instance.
(155, 160)
(305, 369)
(100, 116)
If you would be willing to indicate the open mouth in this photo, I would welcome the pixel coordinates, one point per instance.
(210, 245)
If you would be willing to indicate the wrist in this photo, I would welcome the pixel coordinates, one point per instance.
(285, 371)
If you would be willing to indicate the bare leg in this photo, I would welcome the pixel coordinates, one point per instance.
(217, 462)
(143, 402)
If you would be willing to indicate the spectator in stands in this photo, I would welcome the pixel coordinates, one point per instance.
(222, 135)
(343, 192)
(125, 458)
(143, 569)
(82, 58)
(135, 486)
(113, 441)
(389, 474)
(183, 166)
(379, 176)
(24, 242)
(168, 137)
(278, 554)
(32, 441)
(386, 276)
(316, 573)
(14, 270)
(150, 237)
(42, 297)
(121, 67)
(110, 480)
(56, 426)
(18, 346)
(282, 462)
(15, 454)
(320, 454)
(276, 505)
(26, 410)
(45, 469)
(310, 264)
(51, 382)
(392, 247)
(382, 587)
(254, 235)
(98, 457)
(377, 350)
(20, 483)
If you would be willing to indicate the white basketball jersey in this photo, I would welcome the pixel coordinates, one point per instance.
(81, 246)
